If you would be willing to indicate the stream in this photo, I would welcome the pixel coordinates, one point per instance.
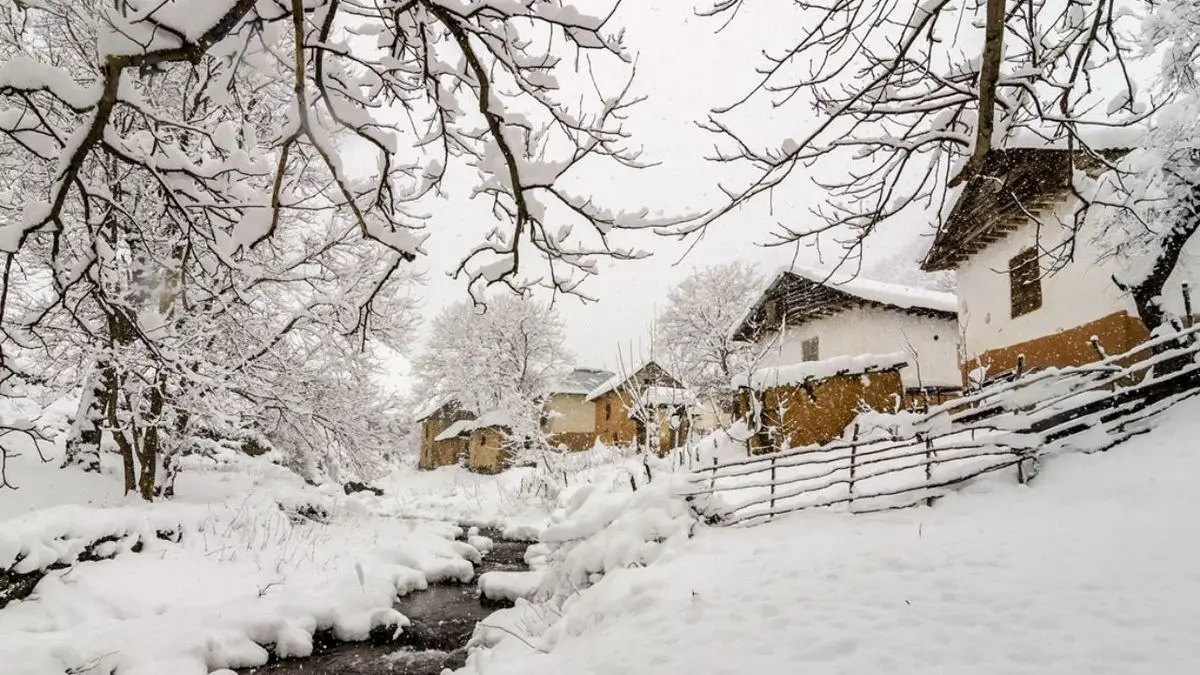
(443, 618)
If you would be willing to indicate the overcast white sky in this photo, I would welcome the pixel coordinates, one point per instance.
(684, 69)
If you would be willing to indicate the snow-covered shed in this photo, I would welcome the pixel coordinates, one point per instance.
(570, 420)
(806, 314)
(629, 403)
(1023, 294)
(438, 447)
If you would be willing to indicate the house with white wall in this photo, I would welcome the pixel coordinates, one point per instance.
(1025, 297)
(807, 314)
(570, 419)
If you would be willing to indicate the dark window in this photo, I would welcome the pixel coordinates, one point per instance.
(1025, 281)
(810, 349)
(607, 410)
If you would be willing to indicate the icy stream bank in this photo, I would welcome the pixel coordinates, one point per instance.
(443, 619)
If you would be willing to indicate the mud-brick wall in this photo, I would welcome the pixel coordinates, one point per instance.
(613, 423)
(486, 452)
(1118, 332)
(439, 453)
(798, 416)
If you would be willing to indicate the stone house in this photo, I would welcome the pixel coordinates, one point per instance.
(570, 418)
(1021, 298)
(807, 315)
(627, 407)
(438, 447)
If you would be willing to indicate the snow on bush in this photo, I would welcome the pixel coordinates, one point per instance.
(58, 536)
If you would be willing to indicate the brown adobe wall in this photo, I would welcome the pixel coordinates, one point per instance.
(439, 453)
(820, 414)
(1118, 332)
(616, 428)
(574, 441)
(486, 452)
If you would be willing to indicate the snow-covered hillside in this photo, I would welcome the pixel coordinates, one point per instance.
(1090, 569)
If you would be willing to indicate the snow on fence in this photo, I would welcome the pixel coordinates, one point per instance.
(916, 458)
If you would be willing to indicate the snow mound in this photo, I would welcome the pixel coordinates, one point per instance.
(510, 585)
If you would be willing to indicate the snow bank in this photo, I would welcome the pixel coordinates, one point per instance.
(253, 572)
(1088, 570)
(57, 536)
(799, 373)
(510, 586)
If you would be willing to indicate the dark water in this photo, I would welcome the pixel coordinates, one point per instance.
(443, 619)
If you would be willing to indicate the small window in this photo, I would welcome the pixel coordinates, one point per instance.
(1025, 282)
(810, 349)
(607, 410)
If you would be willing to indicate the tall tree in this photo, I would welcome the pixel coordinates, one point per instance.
(502, 354)
(892, 106)
(695, 329)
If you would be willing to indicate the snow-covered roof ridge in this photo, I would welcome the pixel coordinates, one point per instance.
(805, 371)
(897, 295)
(659, 396)
(459, 428)
(621, 377)
(580, 381)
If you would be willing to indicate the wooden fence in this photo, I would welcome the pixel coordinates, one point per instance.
(1006, 426)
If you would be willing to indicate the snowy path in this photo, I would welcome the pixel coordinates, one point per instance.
(1093, 569)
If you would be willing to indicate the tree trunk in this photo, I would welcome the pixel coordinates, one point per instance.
(83, 444)
(1147, 295)
(989, 75)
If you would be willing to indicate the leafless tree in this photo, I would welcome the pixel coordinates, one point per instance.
(897, 104)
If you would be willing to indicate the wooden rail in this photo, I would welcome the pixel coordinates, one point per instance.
(1005, 426)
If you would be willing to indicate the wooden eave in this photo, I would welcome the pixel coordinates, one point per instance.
(1013, 185)
(802, 300)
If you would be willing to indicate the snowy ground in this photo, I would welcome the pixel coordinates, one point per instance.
(1091, 569)
(264, 560)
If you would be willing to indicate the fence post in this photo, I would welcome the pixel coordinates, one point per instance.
(712, 481)
(929, 462)
(1187, 305)
(772, 488)
(1099, 349)
(853, 461)
(1020, 366)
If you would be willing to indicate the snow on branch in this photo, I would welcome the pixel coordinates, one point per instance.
(902, 101)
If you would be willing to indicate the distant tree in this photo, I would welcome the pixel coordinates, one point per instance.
(694, 330)
(504, 352)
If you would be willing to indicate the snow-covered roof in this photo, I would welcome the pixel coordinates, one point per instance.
(841, 286)
(581, 381)
(1016, 180)
(619, 379)
(493, 418)
(459, 428)
(655, 397)
(799, 373)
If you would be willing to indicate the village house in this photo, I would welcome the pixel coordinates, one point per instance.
(806, 314)
(440, 447)
(628, 406)
(830, 345)
(1024, 304)
(570, 419)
